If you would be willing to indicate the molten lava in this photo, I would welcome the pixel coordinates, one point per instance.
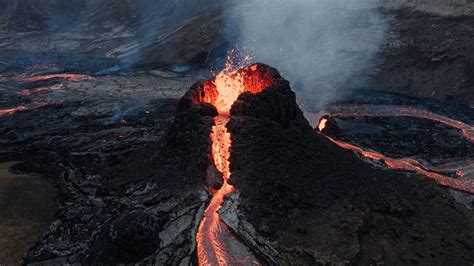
(12, 110)
(72, 77)
(394, 110)
(410, 164)
(462, 182)
(322, 124)
(26, 92)
(216, 243)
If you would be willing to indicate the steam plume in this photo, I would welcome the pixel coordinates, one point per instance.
(321, 46)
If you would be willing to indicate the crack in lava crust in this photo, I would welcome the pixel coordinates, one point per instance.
(216, 242)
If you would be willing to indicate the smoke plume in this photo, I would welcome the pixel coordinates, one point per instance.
(321, 46)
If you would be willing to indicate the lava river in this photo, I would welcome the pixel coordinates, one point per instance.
(38, 90)
(394, 110)
(216, 242)
(460, 182)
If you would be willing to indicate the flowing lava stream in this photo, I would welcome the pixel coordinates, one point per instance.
(394, 110)
(410, 164)
(216, 242)
(72, 77)
(11, 110)
(27, 92)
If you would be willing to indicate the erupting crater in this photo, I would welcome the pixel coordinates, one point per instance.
(216, 244)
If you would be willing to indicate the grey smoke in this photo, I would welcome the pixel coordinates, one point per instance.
(321, 46)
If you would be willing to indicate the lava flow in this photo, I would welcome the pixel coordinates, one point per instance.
(72, 77)
(27, 92)
(394, 110)
(216, 243)
(11, 110)
(408, 164)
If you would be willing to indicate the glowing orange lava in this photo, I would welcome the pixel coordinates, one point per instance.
(322, 124)
(461, 169)
(26, 92)
(11, 110)
(394, 110)
(216, 243)
(410, 164)
(72, 77)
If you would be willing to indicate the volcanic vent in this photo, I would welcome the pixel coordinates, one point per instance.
(284, 172)
(216, 243)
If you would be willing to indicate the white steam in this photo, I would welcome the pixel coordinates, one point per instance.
(321, 46)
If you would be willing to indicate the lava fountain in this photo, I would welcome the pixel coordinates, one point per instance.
(216, 243)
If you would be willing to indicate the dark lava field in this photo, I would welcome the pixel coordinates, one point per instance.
(144, 132)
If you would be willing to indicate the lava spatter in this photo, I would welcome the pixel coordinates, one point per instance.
(217, 245)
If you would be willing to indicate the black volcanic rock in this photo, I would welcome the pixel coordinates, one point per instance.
(140, 198)
(429, 56)
(129, 239)
(318, 203)
(276, 104)
(152, 218)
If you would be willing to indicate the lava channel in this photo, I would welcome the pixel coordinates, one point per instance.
(396, 110)
(27, 92)
(461, 183)
(216, 242)
(11, 110)
(72, 77)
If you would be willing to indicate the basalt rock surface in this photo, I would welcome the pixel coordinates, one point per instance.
(128, 168)
(428, 55)
(318, 203)
(130, 164)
